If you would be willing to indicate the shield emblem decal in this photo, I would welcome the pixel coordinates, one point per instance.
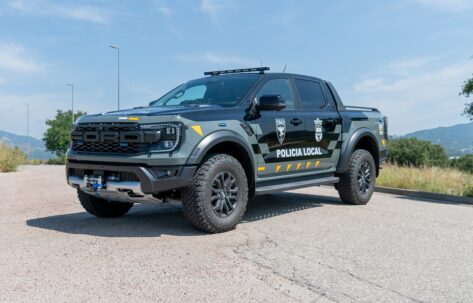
(318, 130)
(281, 129)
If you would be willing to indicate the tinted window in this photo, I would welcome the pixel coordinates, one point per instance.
(311, 94)
(226, 90)
(278, 87)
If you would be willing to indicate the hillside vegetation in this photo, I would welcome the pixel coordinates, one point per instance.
(457, 140)
(37, 148)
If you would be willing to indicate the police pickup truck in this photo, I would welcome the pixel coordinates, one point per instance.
(215, 142)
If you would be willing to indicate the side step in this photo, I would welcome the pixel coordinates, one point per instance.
(268, 187)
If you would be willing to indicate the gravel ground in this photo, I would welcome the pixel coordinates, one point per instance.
(296, 246)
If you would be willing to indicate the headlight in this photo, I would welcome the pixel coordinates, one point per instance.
(170, 136)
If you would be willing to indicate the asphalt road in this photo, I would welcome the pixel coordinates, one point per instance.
(298, 246)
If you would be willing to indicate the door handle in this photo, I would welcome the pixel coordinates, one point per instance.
(296, 121)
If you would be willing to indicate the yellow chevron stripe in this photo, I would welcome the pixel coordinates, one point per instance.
(307, 165)
(198, 129)
(317, 163)
(278, 167)
(298, 166)
(288, 167)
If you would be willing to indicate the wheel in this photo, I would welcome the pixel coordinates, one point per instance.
(102, 208)
(216, 199)
(356, 185)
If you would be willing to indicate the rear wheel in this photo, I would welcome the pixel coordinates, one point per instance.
(356, 185)
(216, 199)
(102, 208)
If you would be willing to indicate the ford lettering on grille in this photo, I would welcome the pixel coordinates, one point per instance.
(112, 138)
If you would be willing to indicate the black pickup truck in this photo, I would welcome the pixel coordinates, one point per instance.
(215, 142)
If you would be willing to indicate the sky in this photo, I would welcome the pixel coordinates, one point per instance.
(408, 58)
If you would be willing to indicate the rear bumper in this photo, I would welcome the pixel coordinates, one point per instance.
(151, 179)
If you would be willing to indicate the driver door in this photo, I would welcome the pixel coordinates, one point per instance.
(280, 132)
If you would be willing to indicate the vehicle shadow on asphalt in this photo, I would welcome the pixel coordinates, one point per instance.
(156, 220)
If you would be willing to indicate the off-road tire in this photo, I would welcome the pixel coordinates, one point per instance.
(102, 208)
(348, 187)
(196, 198)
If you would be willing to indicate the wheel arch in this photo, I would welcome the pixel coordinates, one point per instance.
(231, 143)
(362, 138)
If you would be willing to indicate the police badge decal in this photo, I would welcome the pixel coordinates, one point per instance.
(281, 129)
(318, 130)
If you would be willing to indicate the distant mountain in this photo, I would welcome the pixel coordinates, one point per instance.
(37, 149)
(457, 139)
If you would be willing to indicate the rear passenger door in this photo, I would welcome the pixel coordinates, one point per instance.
(322, 123)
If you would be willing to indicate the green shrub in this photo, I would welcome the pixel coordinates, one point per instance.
(418, 153)
(468, 192)
(464, 163)
(10, 158)
(59, 160)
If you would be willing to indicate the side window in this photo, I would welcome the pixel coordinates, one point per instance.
(311, 94)
(278, 87)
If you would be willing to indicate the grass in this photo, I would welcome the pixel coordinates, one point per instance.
(430, 179)
(10, 158)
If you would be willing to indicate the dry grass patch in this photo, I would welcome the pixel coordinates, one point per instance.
(430, 179)
(10, 158)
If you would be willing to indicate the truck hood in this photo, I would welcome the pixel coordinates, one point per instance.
(157, 111)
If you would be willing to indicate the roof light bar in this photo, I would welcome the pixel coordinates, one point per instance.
(236, 71)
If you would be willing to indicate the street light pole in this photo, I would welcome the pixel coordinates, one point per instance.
(72, 87)
(27, 130)
(118, 73)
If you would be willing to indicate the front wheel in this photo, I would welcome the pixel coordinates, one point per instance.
(102, 208)
(356, 185)
(216, 199)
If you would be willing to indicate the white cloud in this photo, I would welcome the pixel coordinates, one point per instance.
(214, 8)
(414, 93)
(14, 58)
(75, 11)
(2, 80)
(448, 5)
(219, 60)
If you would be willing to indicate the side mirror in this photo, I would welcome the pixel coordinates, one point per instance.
(271, 103)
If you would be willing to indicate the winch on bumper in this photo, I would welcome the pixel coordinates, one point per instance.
(123, 183)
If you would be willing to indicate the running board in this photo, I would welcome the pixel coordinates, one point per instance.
(284, 185)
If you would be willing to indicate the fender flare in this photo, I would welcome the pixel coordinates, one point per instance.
(211, 140)
(350, 148)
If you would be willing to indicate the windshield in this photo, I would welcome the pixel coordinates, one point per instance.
(227, 91)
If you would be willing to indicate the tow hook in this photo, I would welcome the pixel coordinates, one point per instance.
(93, 183)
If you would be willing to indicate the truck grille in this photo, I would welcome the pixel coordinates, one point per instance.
(112, 138)
(116, 148)
(121, 175)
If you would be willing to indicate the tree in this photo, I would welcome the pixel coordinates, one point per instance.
(56, 137)
(467, 91)
(414, 152)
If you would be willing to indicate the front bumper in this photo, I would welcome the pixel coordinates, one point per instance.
(143, 178)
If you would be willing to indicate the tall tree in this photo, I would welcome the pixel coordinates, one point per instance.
(56, 137)
(467, 91)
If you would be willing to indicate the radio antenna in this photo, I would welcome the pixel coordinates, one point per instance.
(284, 70)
